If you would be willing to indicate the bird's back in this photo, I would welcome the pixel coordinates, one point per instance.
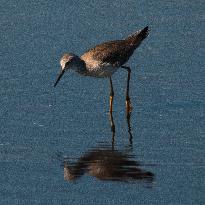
(114, 53)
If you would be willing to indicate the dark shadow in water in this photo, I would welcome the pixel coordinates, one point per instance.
(105, 162)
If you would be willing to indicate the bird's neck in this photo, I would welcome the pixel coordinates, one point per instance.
(80, 67)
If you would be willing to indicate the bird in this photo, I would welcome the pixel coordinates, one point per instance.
(103, 60)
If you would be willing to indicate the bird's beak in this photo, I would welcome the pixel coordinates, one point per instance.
(59, 77)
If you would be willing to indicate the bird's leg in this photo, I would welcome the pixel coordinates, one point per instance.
(111, 95)
(111, 117)
(128, 103)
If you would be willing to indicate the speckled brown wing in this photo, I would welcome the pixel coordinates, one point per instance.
(115, 53)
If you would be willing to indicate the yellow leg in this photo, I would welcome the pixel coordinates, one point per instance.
(111, 102)
(128, 106)
(111, 95)
(128, 103)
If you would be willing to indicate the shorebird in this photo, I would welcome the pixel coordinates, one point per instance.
(104, 59)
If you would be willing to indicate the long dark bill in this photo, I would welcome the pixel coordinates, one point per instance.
(59, 77)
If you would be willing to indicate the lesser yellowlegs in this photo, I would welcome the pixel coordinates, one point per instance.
(104, 59)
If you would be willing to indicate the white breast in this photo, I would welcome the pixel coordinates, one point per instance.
(98, 69)
(102, 71)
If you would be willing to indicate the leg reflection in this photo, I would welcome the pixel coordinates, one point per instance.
(112, 125)
(108, 163)
(129, 129)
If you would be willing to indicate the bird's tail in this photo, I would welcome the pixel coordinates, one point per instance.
(137, 37)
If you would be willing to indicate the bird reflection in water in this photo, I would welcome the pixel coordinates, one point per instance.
(107, 163)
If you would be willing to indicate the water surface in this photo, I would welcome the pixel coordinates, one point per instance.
(42, 128)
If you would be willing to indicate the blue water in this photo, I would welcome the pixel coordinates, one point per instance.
(42, 127)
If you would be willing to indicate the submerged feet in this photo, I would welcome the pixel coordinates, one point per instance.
(128, 106)
(127, 103)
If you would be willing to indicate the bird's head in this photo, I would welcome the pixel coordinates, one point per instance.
(68, 61)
